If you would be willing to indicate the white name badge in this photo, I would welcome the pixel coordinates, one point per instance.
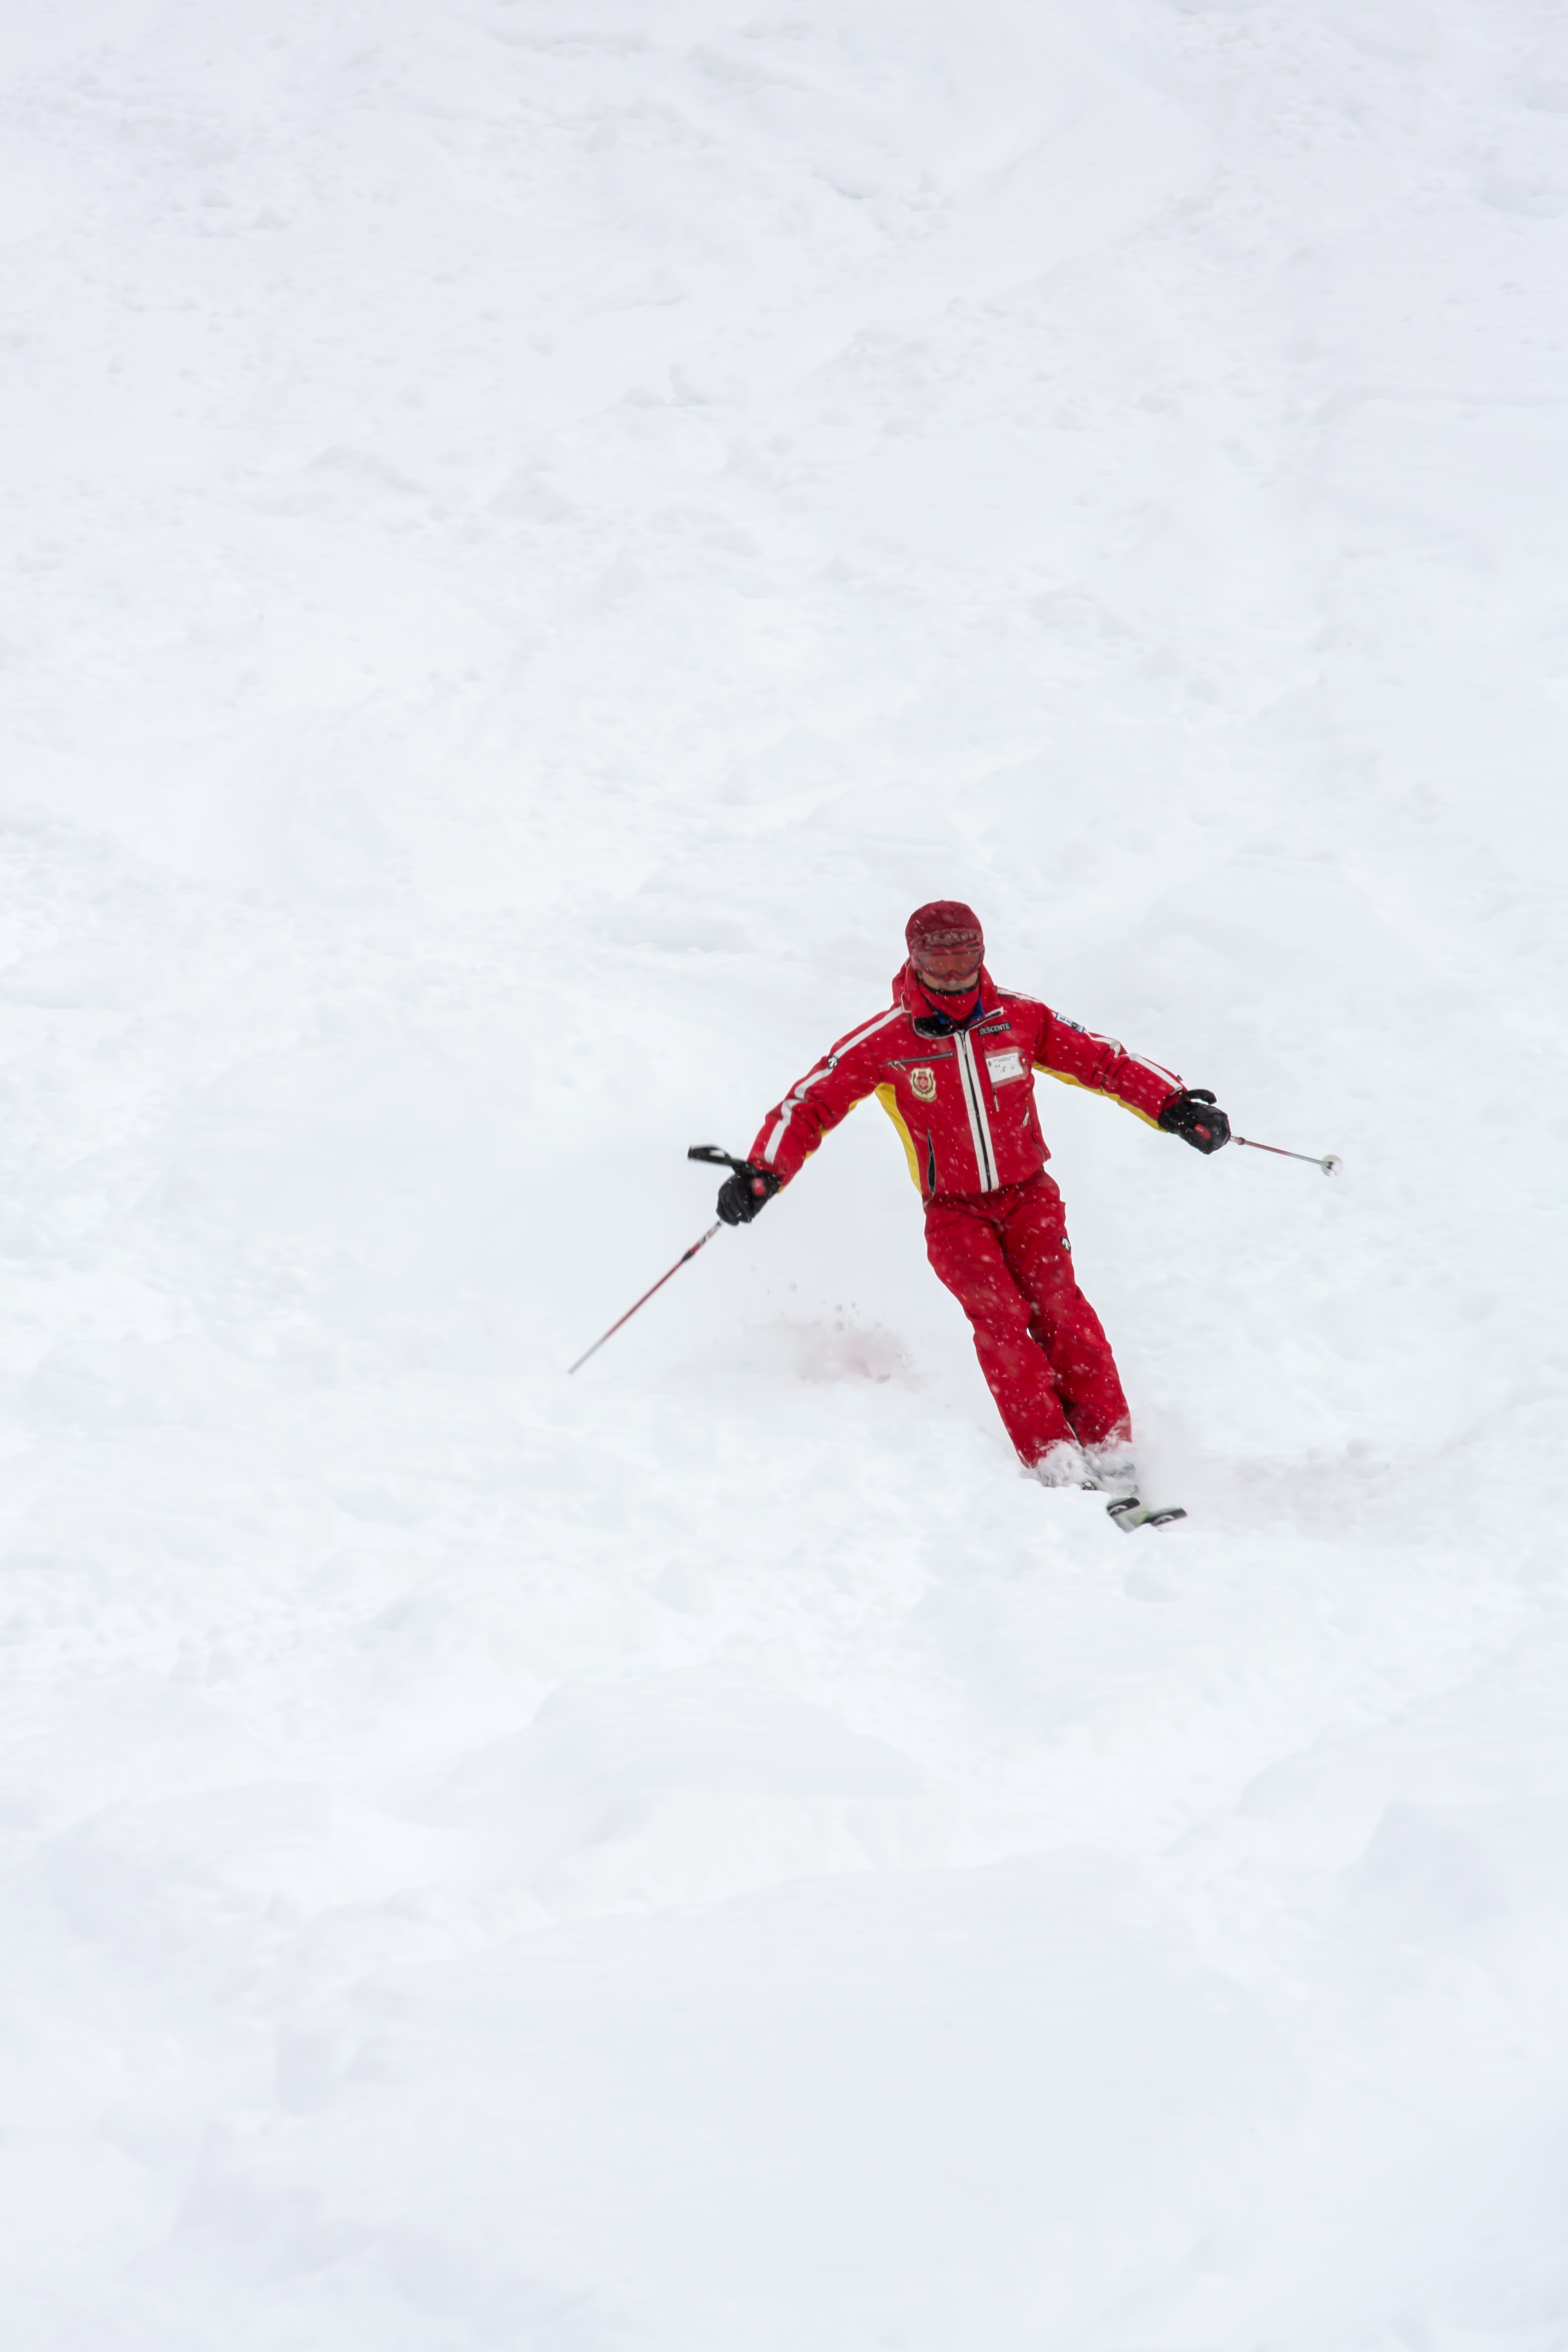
(1004, 1067)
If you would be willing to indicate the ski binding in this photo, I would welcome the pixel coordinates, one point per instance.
(1129, 1513)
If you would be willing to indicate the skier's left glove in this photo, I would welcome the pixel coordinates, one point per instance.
(746, 1193)
(1196, 1118)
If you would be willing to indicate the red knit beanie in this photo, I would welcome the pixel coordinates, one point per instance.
(945, 923)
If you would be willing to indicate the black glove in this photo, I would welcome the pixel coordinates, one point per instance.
(746, 1193)
(1196, 1118)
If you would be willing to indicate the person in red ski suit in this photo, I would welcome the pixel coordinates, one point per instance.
(952, 1061)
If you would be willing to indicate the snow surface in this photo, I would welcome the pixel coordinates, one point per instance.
(534, 531)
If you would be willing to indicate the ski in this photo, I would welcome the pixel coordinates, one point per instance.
(1129, 1513)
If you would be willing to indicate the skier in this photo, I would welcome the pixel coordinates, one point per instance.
(952, 1062)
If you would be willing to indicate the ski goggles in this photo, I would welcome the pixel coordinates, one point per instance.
(948, 956)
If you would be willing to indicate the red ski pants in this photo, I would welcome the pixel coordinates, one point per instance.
(1006, 1258)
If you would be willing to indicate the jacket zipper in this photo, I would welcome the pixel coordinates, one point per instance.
(975, 1103)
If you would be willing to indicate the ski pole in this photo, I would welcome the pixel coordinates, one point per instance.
(1330, 1163)
(714, 1157)
(683, 1260)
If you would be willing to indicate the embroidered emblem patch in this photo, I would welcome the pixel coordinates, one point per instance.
(925, 1084)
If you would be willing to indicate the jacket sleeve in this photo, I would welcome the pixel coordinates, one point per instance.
(794, 1127)
(1080, 1058)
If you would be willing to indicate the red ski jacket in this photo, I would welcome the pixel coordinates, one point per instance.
(963, 1098)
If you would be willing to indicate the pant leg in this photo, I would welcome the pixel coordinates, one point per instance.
(1033, 1244)
(965, 1251)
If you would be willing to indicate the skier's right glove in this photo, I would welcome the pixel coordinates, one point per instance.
(746, 1193)
(1196, 1118)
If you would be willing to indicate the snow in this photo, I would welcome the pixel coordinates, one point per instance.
(534, 535)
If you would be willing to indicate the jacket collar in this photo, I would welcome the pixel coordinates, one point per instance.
(927, 1023)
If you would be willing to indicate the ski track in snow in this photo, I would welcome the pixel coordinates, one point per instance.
(533, 534)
